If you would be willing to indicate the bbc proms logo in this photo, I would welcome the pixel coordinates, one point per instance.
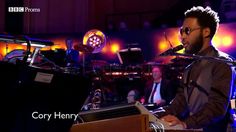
(23, 9)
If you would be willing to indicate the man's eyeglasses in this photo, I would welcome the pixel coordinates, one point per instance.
(187, 30)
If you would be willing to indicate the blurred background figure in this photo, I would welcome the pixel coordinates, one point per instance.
(123, 26)
(133, 96)
(72, 55)
(158, 91)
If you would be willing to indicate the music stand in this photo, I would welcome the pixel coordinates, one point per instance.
(130, 56)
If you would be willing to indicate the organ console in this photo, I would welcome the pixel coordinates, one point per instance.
(126, 118)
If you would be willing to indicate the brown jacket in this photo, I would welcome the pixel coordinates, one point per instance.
(203, 100)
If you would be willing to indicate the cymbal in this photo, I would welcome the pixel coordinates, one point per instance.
(84, 48)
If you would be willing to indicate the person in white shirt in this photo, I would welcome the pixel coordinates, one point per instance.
(157, 90)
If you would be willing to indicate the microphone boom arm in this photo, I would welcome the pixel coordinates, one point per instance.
(206, 58)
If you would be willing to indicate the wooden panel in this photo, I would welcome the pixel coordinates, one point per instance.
(137, 123)
(134, 123)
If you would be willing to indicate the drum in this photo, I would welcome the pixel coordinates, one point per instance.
(14, 55)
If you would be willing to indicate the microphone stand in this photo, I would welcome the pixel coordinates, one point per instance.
(231, 62)
(27, 39)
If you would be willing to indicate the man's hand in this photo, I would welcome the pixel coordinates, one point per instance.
(160, 102)
(173, 121)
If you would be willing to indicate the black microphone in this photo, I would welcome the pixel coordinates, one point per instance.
(172, 50)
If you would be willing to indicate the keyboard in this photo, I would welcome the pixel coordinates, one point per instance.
(125, 110)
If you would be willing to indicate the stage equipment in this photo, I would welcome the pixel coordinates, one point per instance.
(25, 40)
(198, 57)
(130, 56)
(172, 50)
(28, 89)
(123, 111)
(13, 55)
(96, 39)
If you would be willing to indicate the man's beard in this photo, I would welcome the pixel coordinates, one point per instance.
(196, 46)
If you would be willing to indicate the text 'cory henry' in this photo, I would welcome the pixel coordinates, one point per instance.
(55, 115)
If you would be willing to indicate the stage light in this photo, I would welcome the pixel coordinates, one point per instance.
(95, 39)
(227, 41)
(216, 41)
(19, 47)
(3, 51)
(55, 47)
(162, 46)
(105, 49)
(115, 48)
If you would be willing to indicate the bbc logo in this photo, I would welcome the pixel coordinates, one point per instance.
(15, 9)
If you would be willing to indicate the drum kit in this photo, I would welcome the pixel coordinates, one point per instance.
(13, 55)
(105, 77)
(93, 42)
